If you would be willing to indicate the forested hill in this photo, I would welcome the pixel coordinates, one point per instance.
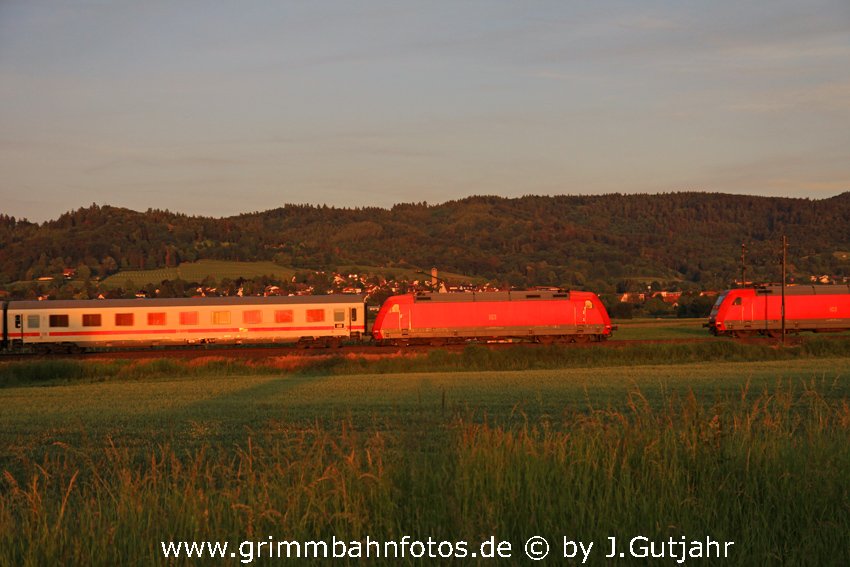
(576, 241)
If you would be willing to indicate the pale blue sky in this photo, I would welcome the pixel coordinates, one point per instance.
(220, 107)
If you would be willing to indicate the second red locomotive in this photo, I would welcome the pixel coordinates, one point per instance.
(536, 316)
(749, 311)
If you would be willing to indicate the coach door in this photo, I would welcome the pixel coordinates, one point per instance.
(17, 330)
(352, 320)
(339, 320)
(33, 326)
(26, 326)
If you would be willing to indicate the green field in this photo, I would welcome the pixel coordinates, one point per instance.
(197, 271)
(101, 466)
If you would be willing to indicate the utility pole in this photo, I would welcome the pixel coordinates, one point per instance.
(743, 265)
(784, 254)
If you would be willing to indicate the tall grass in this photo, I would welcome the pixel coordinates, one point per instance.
(770, 474)
(106, 505)
(770, 471)
(51, 372)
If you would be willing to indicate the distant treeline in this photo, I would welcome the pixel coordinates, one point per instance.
(605, 243)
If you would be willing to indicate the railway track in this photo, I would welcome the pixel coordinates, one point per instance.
(276, 351)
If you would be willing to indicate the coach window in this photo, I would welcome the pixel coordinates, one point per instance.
(92, 320)
(156, 319)
(123, 319)
(354, 314)
(315, 315)
(58, 320)
(188, 317)
(221, 317)
(339, 315)
(33, 321)
(283, 316)
(252, 317)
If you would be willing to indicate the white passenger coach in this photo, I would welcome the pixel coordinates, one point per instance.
(325, 320)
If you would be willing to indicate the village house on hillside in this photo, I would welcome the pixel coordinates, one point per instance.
(671, 297)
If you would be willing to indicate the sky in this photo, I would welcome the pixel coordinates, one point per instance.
(218, 108)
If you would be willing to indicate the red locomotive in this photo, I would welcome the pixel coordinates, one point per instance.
(536, 316)
(749, 311)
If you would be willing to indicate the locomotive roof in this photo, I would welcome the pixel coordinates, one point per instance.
(188, 302)
(491, 296)
(805, 289)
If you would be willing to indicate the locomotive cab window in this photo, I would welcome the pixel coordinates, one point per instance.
(738, 301)
(91, 320)
(58, 320)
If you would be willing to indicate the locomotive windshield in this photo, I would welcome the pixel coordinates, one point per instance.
(717, 303)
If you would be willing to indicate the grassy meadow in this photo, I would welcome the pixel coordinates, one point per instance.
(101, 461)
(661, 329)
